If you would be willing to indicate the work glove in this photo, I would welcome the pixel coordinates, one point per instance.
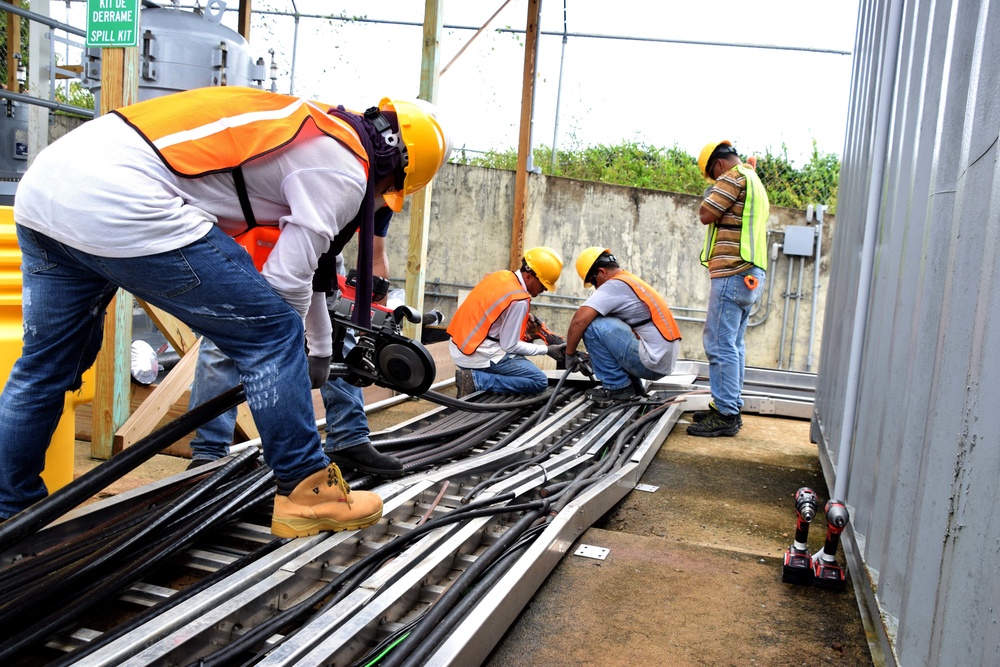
(319, 370)
(579, 362)
(557, 351)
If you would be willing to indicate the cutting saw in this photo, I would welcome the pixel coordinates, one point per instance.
(382, 355)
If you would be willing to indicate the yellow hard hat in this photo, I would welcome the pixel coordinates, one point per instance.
(426, 146)
(546, 264)
(706, 153)
(586, 260)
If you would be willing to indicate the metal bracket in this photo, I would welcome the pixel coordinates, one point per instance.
(590, 551)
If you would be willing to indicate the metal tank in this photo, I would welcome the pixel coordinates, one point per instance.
(180, 50)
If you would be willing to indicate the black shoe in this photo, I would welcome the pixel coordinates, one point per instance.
(603, 395)
(700, 415)
(714, 425)
(197, 463)
(366, 458)
(638, 386)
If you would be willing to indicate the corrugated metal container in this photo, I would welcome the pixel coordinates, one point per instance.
(907, 413)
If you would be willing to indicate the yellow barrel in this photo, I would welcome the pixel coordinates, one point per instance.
(59, 456)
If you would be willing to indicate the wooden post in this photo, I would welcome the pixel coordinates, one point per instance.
(243, 20)
(524, 140)
(13, 47)
(420, 203)
(119, 87)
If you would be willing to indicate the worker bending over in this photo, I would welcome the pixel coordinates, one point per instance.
(147, 198)
(626, 326)
(487, 329)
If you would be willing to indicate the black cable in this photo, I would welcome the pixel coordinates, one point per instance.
(441, 399)
(119, 465)
(415, 642)
(262, 631)
(109, 584)
(174, 600)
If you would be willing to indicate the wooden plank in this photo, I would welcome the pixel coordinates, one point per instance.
(145, 419)
(178, 334)
(112, 376)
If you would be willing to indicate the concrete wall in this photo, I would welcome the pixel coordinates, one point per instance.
(655, 234)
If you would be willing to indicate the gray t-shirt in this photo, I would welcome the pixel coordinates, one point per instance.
(616, 299)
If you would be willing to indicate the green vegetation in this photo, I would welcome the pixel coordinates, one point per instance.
(637, 165)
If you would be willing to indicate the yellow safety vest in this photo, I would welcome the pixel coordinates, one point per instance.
(753, 231)
(482, 307)
(216, 129)
(659, 311)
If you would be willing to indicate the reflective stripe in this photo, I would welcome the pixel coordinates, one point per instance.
(224, 124)
(194, 133)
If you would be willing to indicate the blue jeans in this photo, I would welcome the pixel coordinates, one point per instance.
(729, 304)
(214, 374)
(614, 353)
(346, 422)
(513, 374)
(212, 286)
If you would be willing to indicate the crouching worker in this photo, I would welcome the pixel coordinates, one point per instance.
(626, 326)
(148, 198)
(487, 329)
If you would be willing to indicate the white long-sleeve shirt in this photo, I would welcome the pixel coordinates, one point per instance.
(103, 190)
(504, 338)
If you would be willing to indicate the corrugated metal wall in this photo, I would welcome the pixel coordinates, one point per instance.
(908, 406)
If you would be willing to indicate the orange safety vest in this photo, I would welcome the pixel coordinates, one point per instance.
(217, 129)
(659, 311)
(486, 302)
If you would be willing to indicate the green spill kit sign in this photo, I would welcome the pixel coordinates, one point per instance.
(112, 23)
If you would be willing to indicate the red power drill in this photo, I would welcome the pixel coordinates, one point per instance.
(827, 572)
(797, 567)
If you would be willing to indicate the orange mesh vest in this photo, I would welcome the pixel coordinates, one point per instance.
(211, 130)
(659, 312)
(486, 302)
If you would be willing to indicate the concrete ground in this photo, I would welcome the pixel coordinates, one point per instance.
(694, 571)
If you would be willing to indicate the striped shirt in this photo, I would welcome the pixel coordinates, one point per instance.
(725, 202)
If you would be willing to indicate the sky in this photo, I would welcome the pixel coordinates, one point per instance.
(657, 94)
(590, 91)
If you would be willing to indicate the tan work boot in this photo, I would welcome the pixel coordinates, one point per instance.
(324, 501)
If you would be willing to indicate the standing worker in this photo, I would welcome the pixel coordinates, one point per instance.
(735, 209)
(487, 329)
(142, 199)
(626, 326)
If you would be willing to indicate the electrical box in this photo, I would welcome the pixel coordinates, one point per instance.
(799, 240)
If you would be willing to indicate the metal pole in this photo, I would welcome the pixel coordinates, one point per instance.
(562, 60)
(784, 314)
(795, 318)
(815, 294)
(880, 148)
(295, 50)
